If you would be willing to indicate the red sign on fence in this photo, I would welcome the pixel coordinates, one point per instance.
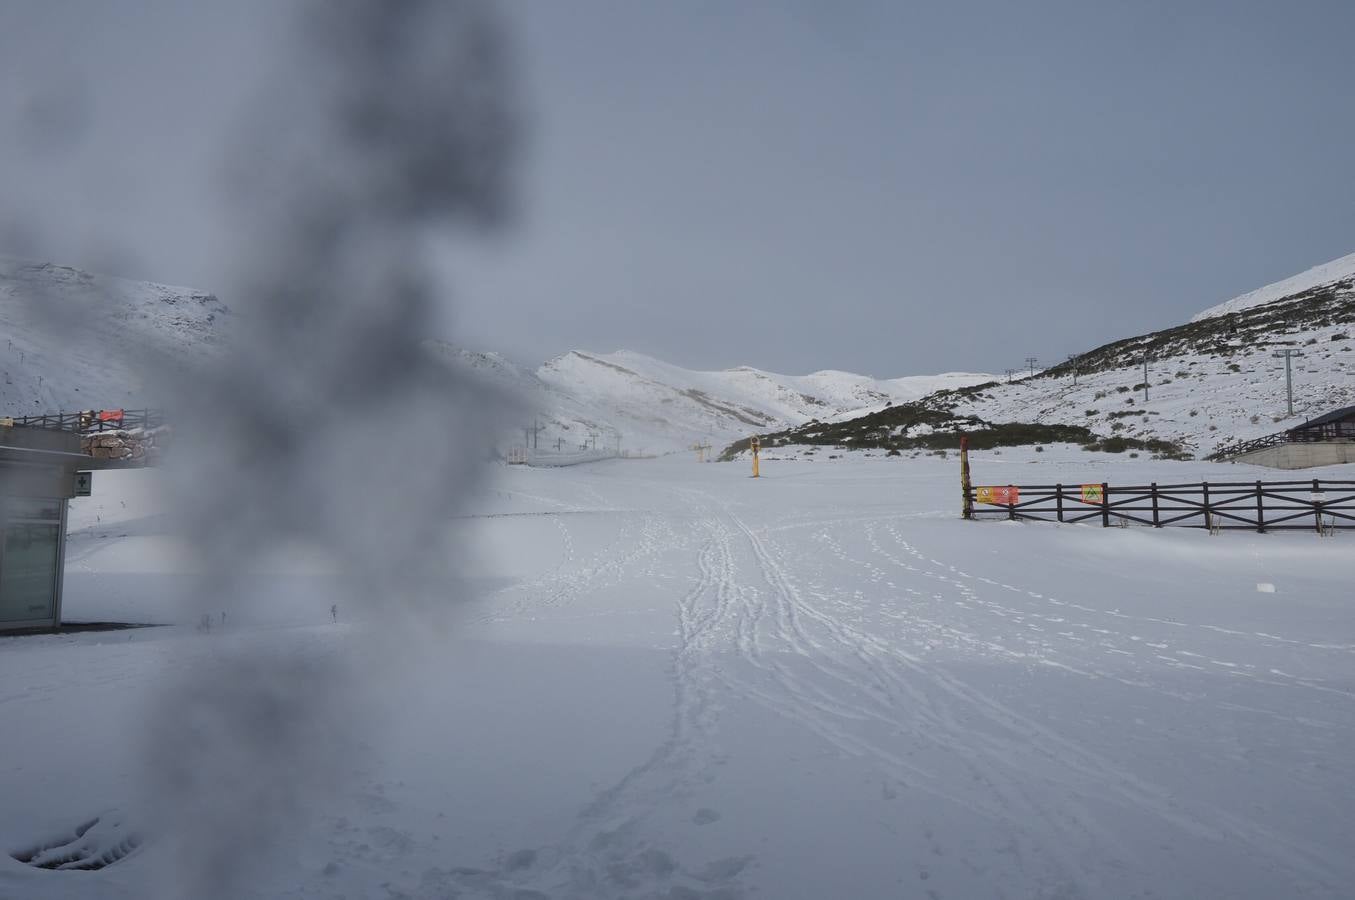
(110, 415)
(1004, 495)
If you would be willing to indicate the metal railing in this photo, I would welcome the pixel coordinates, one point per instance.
(1237, 448)
(90, 420)
(1297, 435)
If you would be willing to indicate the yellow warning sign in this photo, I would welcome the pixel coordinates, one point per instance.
(1091, 493)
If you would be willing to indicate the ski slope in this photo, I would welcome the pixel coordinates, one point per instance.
(667, 679)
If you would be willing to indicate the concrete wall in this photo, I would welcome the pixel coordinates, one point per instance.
(1301, 456)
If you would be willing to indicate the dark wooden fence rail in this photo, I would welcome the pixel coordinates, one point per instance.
(92, 420)
(1313, 505)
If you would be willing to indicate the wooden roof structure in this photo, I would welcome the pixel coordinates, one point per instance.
(1336, 425)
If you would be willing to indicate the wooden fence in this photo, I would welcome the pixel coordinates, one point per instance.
(1314, 505)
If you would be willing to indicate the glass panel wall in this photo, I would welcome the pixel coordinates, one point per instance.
(33, 508)
(28, 571)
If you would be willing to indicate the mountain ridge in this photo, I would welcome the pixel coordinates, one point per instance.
(1212, 379)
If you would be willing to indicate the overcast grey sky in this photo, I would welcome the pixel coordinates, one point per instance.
(876, 186)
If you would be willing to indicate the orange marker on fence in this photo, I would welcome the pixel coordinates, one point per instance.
(998, 495)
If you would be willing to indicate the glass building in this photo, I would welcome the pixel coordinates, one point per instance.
(37, 476)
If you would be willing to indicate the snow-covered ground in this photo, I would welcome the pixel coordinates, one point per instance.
(667, 679)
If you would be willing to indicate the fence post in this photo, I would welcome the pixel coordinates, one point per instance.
(1317, 505)
(1208, 519)
(1260, 511)
(1156, 522)
(1011, 507)
(1105, 505)
(1058, 500)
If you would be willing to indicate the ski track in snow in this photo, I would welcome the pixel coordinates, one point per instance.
(1106, 634)
(607, 853)
(751, 626)
(849, 628)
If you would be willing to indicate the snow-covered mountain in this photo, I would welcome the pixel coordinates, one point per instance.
(1212, 381)
(72, 340)
(654, 406)
(76, 341)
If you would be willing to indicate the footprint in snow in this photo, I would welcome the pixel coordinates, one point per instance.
(93, 844)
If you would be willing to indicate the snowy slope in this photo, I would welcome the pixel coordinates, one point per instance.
(1198, 399)
(1211, 382)
(667, 407)
(566, 421)
(1336, 270)
(656, 407)
(73, 340)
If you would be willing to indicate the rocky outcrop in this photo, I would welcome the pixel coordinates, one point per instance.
(133, 447)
